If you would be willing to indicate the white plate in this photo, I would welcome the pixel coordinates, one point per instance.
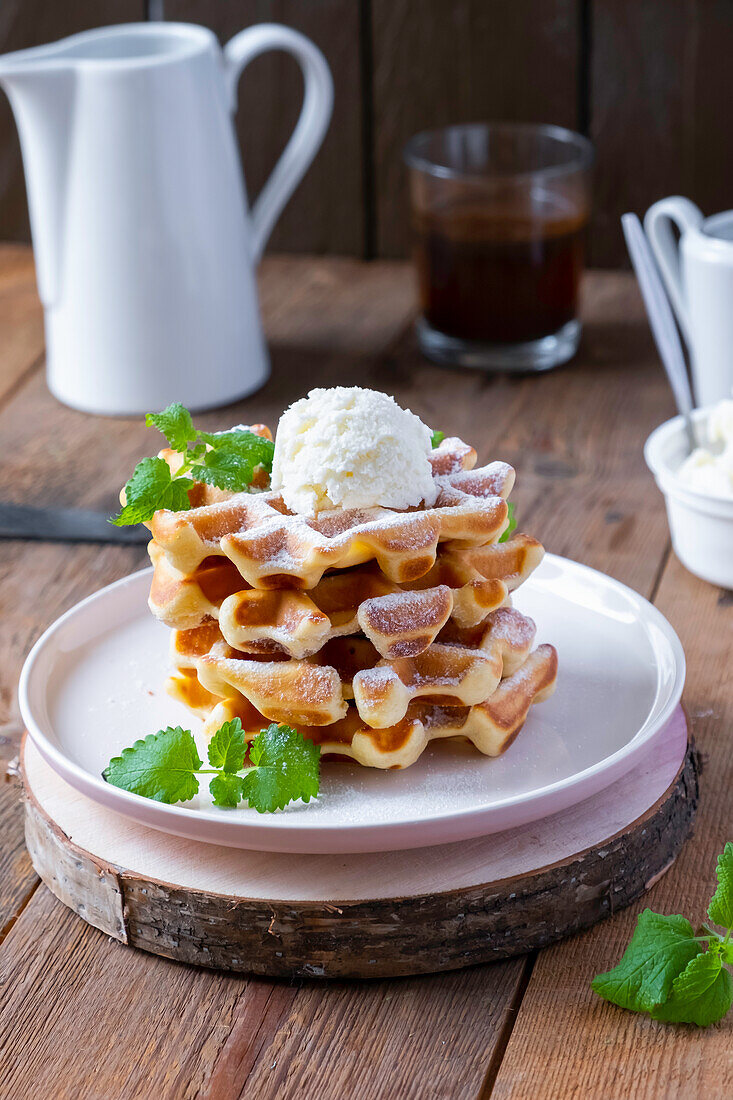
(93, 683)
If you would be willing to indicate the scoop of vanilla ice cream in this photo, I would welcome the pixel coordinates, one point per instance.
(711, 471)
(349, 447)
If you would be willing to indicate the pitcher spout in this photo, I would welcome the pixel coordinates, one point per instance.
(30, 60)
(40, 87)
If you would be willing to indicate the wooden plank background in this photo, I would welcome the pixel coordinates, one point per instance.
(647, 80)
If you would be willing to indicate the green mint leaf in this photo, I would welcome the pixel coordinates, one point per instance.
(723, 948)
(285, 767)
(151, 488)
(720, 909)
(702, 994)
(225, 469)
(194, 453)
(436, 439)
(229, 465)
(232, 461)
(259, 445)
(659, 951)
(226, 789)
(161, 766)
(506, 535)
(176, 425)
(227, 747)
(255, 448)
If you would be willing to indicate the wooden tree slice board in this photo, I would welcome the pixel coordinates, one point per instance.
(374, 915)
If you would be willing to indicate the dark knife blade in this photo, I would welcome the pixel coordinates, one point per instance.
(20, 521)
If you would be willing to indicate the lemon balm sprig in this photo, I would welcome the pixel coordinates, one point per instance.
(672, 973)
(283, 767)
(227, 460)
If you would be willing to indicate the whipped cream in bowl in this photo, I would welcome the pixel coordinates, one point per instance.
(698, 489)
(710, 467)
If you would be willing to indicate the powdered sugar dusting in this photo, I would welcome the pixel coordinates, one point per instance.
(264, 539)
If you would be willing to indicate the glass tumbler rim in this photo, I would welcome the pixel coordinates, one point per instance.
(580, 161)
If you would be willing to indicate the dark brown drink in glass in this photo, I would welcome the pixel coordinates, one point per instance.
(498, 278)
(498, 251)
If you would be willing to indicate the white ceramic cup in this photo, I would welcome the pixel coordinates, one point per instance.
(701, 524)
(698, 273)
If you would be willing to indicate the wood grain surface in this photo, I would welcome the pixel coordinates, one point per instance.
(152, 1027)
(21, 320)
(606, 1050)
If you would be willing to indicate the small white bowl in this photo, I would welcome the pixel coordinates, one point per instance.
(701, 524)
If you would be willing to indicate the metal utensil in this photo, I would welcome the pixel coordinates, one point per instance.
(661, 320)
(20, 521)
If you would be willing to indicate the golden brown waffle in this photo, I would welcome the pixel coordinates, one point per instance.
(185, 686)
(451, 456)
(372, 631)
(273, 548)
(451, 675)
(401, 620)
(396, 621)
(183, 601)
(188, 645)
(513, 632)
(491, 726)
(299, 623)
(314, 692)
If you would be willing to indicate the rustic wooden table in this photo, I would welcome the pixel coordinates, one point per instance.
(84, 1017)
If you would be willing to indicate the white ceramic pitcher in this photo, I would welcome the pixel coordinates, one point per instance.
(145, 250)
(698, 274)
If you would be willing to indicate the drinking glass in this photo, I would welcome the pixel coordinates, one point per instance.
(499, 213)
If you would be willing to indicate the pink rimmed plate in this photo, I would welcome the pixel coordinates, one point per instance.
(93, 683)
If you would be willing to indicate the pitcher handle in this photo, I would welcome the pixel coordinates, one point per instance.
(310, 128)
(657, 227)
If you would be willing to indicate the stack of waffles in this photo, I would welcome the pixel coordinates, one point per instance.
(371, 631)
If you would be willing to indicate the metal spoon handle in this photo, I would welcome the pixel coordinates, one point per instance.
(660, 319)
